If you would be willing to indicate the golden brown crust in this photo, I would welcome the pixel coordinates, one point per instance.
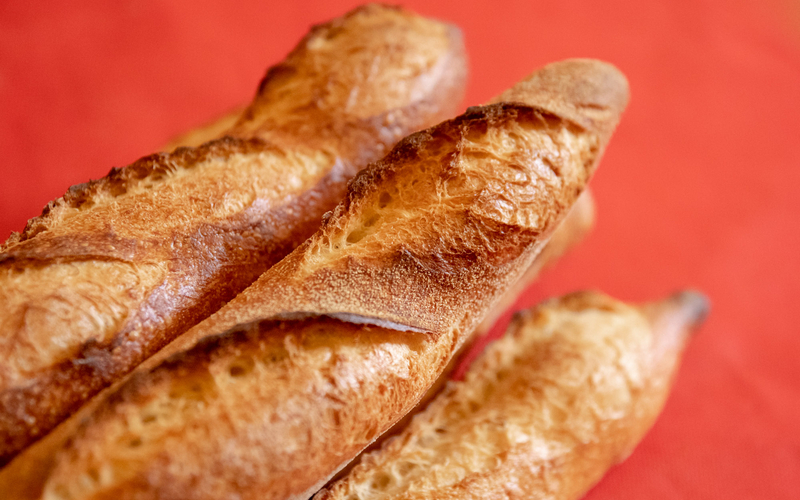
(592, 102)
(26, 473)
(577, 224)
(274, 393)
(544, 412)
(569, 233)
(118, 267)
(572, 230)
(334, 87)
(482, 221)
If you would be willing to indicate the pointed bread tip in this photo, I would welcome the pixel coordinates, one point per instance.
(591, 93)
(693, 305)
(682, 313)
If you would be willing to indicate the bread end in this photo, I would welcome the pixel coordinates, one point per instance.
(591, 93)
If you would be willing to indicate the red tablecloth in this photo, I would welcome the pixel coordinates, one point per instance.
(696, 189)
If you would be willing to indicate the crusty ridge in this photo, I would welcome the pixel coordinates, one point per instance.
(291, 379)
(577, 224)
(118, 267)
(334, 87)
(594, 102)
(145, 173)
(498, 215)
(569, 233)
(544, 412)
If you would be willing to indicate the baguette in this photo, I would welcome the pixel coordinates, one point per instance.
(568, 234)
(23, 477)
(544, 412)
(118, 267)
(288, 382)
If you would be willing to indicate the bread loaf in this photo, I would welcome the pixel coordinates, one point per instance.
(23, 477)
(118, 267)
(544, 412)
(283, 386)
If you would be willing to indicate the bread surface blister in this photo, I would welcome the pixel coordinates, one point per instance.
(288, 382)
(568, 392)
(118, 267)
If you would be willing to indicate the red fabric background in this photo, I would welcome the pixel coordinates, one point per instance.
(698, 187)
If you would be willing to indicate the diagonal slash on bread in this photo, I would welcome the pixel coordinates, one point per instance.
(274, 393)
(118, 267)
(572, 230)
(544, 412)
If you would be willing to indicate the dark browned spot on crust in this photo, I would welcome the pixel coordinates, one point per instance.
(241, 367)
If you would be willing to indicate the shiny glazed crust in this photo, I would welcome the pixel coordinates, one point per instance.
(282, 387)
(544, 412)
(118, 267)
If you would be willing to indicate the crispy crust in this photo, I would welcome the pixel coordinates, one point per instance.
(569, 233)
(544, 412)
(120, 266)
(274, 393)
(23, 477)
(572, 230)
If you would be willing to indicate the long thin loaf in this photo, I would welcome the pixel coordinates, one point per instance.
(283, 386)
(22, 478)
(572, 230)
(118, 267)
(568, 392)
